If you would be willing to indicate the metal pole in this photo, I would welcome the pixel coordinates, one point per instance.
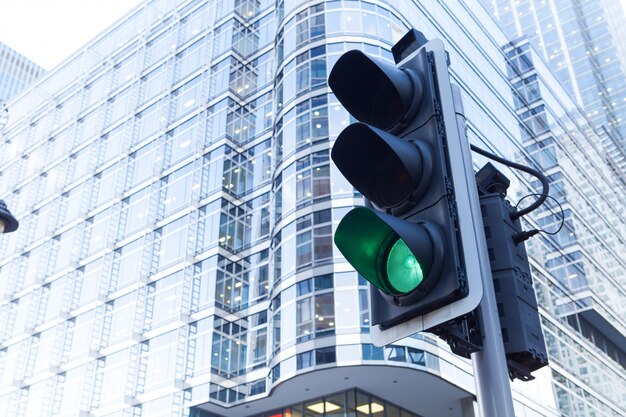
(490, 371)
(493, 390)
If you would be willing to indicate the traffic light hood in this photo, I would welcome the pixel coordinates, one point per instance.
(374, 91)
(384, 168)
(396, 256)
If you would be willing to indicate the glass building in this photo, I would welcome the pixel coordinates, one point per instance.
(177, 205)
(582, 43)
(16, 72)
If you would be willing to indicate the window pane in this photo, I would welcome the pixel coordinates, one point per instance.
(325, 355)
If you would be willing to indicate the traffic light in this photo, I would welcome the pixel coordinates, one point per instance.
(401, 156)
(523, 340)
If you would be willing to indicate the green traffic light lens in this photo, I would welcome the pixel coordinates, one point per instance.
(404, 272)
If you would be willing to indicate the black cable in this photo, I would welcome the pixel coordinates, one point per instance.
(542, 178)
(560, 208)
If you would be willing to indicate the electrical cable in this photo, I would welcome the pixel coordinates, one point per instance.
(542, 178)
(560, 208)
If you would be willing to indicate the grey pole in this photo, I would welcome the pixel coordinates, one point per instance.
(493, 390)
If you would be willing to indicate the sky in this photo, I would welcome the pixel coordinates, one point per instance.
(48, 31)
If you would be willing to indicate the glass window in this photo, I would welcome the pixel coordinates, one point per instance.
(208, 226)
(313, 179)
(304, 360)
(395, 353)
(194, 23)
(135, 212)
(416, 356)
(158, 47)
(128, 262)
(154, 83)
(325, 355)
(276, 333)
(159, 358)
(142, 165)
(275, 373)
(304, 287)
(106, 185)
(177, 189)
(97, 88)
(364, 309)
(42, 352)
(182, 141)
(114, 142)
(148, 121)
(190, 59)
(164, 300)
(244, 38)
(212, 172)
(114, 375)
(80, 335)
(66, 249)
(257, 387)
(304, 319)
(80, 163)
(315, 316)
(258, 347)
(240, 122)
(325, 312)
(97, 231)
(371, 352)
(121, 317)
(87, 282)
(89, 125)
(124, 71)
(170, 244)
(187, 97)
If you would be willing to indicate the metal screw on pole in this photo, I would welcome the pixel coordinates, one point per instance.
(8, 223)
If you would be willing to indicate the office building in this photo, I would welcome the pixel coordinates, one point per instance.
(16, 72)
(177, 206)
(590, 290)
(582, 43)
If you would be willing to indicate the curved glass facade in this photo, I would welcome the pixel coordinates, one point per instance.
(177, 205)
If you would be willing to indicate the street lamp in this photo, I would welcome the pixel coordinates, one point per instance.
(8, 223)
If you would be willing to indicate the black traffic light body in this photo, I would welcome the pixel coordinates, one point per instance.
(408, 244)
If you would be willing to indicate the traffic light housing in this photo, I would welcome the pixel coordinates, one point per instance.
(520, 323)
(409, 242)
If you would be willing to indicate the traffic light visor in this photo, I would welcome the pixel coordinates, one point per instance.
(384, 168)
(374, 92)
(394, 255)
